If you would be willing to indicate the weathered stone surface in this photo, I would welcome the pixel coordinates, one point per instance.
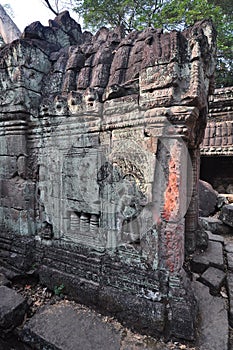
(230, 261)
(230, 189)
(12, 342)
(152, 312)
(226, 214)
(202, 238)
(214, 279)
(9, 273)
(207, 199)
(216, 226)
(213, 256)
(230, 293)
(12, 308)
(4, 281)
(100, 131)
(64, 328)
(221, 201)
(215, 237)
(228, 247)
(213, 320)
(183, 322)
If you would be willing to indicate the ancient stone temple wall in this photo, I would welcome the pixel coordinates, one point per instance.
(217, 146)
(99, 141)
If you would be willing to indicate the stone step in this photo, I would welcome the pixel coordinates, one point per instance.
(215, 237)
(13, 308)
(212, 256)
(213, 320)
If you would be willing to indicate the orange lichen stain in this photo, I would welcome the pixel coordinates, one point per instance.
(171, 193)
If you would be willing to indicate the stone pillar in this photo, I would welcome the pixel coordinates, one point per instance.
(17, 191)
(191, 222)
(173, 205)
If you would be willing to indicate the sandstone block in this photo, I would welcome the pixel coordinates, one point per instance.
(213, 256)
(213, 325)
(214, 225)
(12, 308)
(214, 237)
(207, 199)
(62, 327)
(214, 279)
(227, 214)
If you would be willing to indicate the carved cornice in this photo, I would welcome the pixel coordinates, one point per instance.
(218, 138)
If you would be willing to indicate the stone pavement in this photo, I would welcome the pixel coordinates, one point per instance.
(66, 325)
(213, 320)
(213, 289)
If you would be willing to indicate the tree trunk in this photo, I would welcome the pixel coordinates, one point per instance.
(8, 29)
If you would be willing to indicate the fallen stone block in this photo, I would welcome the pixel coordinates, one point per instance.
(62, 327)
(214, 279)
(216, 226)
(214, 237)
(12, 308)
(207, 199)
(226, 215)
(212, 331)
(213, 256)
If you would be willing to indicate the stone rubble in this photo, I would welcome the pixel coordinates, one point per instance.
(226, 215)
(215, 225)
(58, 323)
(213, 256)
(208, 198)
(214, 279)
(210, 285)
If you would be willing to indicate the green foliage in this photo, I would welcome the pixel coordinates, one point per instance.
(167, 14)
(184, 13)
(132, 14)
(58, 289)
(34, 266)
